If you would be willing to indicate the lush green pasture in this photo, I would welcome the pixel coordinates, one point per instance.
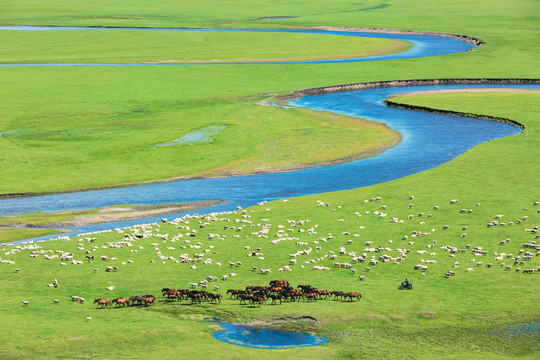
(62, 124)
(63, 153)
(129, 46)
(66, 128)
(452, 317)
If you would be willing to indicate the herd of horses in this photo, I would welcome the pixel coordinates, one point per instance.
(193, 295)
(145, 300)
(280, 290)
(277, 290)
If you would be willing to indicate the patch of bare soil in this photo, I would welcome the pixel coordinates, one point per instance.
(113, 214)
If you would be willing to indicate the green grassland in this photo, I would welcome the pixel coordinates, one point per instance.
(129, 46)
(124, 147)
(452, 317)
(77, 120)
(76, 128)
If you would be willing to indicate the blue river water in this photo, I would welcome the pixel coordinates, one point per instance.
(428, 140)
(423, 45)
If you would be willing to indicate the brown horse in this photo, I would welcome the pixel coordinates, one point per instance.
(275, 297)
(102, 303)
(148, 299)
(195, 296)
(235, 293)
(213, 297)
(121, 301)
(351, 295)
(311, 296)
(245, 297)
(279, 283)
(257, 299)
(321, 293)
(167, 292)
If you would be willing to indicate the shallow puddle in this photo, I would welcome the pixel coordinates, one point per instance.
(198, 136)
(263, 338)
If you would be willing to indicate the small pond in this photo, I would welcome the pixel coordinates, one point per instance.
(263, 338)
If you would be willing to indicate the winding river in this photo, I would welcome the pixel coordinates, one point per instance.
(428, 140)
(423, 45)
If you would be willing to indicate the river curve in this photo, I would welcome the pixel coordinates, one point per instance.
(428, 140)
(423, 45)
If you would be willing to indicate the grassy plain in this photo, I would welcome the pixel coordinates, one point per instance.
(452, 317)
(129, 46)
(457, 317)
(66, 120)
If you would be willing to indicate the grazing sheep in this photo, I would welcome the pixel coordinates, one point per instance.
(25, 303)
(56, 301)
(87, 318)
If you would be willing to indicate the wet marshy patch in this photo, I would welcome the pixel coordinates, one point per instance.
(530, 331)
(199, 136)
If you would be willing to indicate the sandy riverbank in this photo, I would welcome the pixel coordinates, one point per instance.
(111, 214)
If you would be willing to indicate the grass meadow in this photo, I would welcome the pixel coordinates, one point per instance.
(54, 125)
(88, 127)
(461, 316)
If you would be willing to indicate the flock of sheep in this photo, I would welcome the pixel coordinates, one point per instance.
(196, 241)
